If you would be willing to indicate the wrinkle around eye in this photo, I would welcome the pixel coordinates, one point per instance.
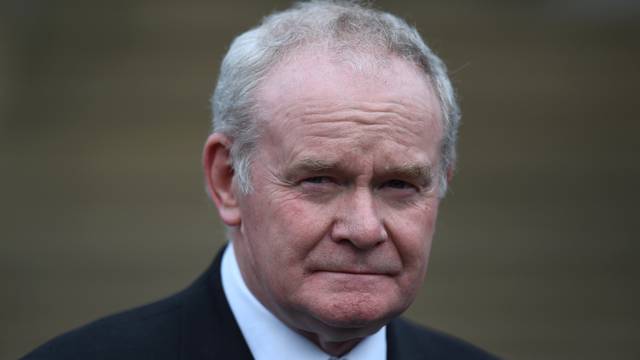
(318, 188)
(318, 180)
(398, 184)
(402, 192)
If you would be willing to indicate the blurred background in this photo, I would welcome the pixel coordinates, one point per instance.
(104, 111)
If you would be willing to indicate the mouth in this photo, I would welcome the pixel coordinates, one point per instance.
(355, 268)
(353, 272)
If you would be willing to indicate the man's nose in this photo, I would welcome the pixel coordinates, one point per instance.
(358, 221)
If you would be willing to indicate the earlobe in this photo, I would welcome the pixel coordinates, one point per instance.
(219, 174)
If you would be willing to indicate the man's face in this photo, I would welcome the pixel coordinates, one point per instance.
(335, 236)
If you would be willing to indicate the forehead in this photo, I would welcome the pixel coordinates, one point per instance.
(319, 73)
(327, 100)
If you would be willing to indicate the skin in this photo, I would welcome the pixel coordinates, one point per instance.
(335, 237)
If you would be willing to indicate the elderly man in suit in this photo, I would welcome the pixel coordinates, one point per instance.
(335, 129)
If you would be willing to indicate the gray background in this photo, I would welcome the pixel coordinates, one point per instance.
(104, 111)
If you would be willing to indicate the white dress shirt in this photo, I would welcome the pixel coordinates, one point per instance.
(268, 337)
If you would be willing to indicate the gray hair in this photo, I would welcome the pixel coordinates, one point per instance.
(341, 24)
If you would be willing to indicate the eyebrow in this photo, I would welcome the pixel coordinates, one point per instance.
(314, 165)
(310, 166)
(420, 172)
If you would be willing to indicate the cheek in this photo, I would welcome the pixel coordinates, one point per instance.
(413, 231)
(283, 230)
(289, 235)
(299, 223)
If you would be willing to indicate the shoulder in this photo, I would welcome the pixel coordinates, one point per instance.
(408, 340)
(194, 323)
(150, 331)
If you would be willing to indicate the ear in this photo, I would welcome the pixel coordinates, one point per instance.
(218, 170)
(450, 171)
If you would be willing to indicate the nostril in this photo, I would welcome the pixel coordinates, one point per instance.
(359, 236)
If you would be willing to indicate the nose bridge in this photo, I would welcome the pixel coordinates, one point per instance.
(358, 220)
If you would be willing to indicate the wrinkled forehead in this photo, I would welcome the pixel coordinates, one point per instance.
(321, 75)
(313, 105)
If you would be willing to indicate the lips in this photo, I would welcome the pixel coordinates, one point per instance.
(353, 272)
(387, 270)
(345, 263)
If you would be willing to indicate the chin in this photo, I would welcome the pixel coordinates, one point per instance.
(345, 311)
(341, 329)
(367, 312)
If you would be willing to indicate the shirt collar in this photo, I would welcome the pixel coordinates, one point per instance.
(268, 338)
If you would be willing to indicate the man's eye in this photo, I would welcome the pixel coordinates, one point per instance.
(397, 184)
(318, 180)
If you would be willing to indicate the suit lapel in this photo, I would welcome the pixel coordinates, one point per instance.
(392, 342)
(209, 330)
(401, 343)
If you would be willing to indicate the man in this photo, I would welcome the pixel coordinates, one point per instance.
(334, 140)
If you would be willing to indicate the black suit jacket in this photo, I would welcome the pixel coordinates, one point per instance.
(197, 324)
